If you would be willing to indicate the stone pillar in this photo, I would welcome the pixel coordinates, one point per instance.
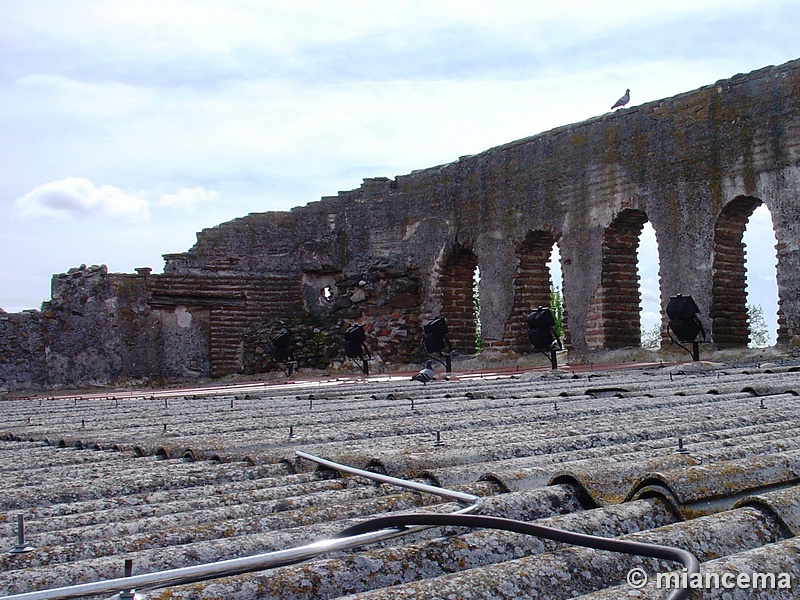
(787, 232)
(683, 217)
(497, 262)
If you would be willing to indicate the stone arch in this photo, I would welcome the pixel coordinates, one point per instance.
(531, 283)
(613, 320)
(728, 313)
(457, 288)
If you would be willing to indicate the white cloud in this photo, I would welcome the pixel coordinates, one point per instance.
(186, 198)
(79, 197)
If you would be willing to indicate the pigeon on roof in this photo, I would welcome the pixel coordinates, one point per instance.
(426, 374)
(622, 101)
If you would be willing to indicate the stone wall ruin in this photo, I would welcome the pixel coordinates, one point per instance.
(396, 252)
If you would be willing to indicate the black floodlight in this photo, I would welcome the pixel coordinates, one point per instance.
(684, 325)
(434, 341)
(355, 346)
(354, 339)
(282, 351)
(682, 312)
(542, 334)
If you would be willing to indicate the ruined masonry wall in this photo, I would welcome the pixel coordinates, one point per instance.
(396, 252)
(21, 349)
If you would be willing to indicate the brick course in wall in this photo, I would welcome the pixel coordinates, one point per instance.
(458, 301)
(235, 303)
(532, 282)
(614, 315)
(728, 309)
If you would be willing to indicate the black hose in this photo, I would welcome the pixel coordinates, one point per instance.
(567, 537)
(675, 341)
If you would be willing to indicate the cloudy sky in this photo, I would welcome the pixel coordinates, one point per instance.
(128, 126)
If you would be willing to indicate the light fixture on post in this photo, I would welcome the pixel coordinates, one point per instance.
(684, 325)
(282, 352)
(355, 346)
(542, 334)
(434, 341)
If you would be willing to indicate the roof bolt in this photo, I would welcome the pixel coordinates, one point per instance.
(165, 427)
(166, 403)
(231, 402)
(412, 403)
(291, 431)
(681, 449)
(310, 402)
(83, 422)
(21, 546)
(438, 441)
(129, 594)
(762, 406)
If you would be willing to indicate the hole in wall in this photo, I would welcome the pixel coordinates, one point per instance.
(537, 274)
(647, 260)
(740, 283)
(557, 302)
(458, 299)
(613, 320)
(761, 278)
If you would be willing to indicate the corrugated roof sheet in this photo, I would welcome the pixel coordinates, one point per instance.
(705, 458)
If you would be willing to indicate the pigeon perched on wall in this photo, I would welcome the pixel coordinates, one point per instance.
(623, 101)
(426, 374)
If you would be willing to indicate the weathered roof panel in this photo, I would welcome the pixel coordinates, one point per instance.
(705, 460)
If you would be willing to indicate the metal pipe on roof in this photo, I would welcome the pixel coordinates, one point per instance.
(687, 559)
(472, 500)
(197, 573)
(259, 562)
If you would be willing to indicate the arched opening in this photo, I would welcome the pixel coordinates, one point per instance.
(458, 288)
(532, 286)
(652, 320)
(730, 321)
(614, 315)
(557, 302)
(761, 277)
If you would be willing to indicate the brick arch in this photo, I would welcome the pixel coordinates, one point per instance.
(613, 320)
(457, 287)
(532, 284)
(728, 312)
